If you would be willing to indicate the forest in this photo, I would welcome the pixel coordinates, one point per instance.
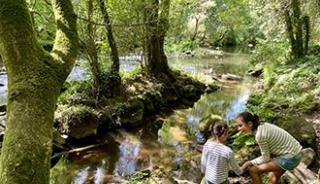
(130, 91)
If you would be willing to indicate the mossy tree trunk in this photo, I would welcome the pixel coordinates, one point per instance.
(163, 25)
(156, 28)
(294, 25)
(306, 28)
(91, 49)
(34, 81)
(113, 80)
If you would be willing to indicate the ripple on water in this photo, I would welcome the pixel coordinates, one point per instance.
(81, 176)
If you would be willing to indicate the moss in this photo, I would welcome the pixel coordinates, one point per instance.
(164, 133)
(34, 79)
(139, 177)
(62, 166)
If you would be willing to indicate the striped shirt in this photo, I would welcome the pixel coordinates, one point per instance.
(276, 141)
(216, 161)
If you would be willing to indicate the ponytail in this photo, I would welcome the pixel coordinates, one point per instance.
(219, 128)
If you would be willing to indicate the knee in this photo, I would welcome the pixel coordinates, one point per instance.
(272, 177)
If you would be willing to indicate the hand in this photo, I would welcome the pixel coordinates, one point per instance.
(246, 165)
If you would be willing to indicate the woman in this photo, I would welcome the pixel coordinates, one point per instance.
(280, 151)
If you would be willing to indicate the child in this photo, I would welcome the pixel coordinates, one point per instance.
(217, 159)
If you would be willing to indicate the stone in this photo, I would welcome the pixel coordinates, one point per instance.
(300, 129)
(77, 121)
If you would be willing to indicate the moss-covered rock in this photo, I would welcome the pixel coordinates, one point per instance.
(157, 176)
(129, 114)
(300, 129)
(190, 168)
(205, 123)
(77, 121)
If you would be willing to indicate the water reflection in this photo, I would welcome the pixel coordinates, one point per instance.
(3, 88)
(237, 106)
(100, 172)
(81, 176)
(127, 163)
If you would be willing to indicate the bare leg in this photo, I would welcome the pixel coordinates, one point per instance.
(275, 176)
(271, 166)
(255, 175)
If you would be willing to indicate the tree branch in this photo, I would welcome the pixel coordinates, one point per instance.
(10, 26)
(66, 44)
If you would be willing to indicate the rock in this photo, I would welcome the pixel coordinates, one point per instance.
(301, 174)
(129, 114)
(231, 77)
(188, 53)
(157, 176)
(77, 121)
(255, 73)
(308, 156)
(189, 168)
(207, 121)
(300, 129)
(212, 88)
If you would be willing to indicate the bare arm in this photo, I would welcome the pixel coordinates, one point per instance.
(234, 165)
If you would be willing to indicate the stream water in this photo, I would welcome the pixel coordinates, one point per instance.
(127, 152)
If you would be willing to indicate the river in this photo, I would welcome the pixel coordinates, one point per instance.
(128, 152)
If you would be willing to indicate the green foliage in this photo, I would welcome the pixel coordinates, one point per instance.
(77, 92)
(164, 133)
(270, 52)
(138, 177)
(213, 23)
(240, 139)
(290, 88)
(184, 45)
(131, 74)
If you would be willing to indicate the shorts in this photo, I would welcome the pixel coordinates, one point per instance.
(288, 163)
(225, 182)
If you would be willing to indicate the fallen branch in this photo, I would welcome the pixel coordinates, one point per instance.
(77, 150)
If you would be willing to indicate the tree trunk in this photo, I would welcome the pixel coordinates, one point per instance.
(290, 30)
(113, 80)
(112, 43)
(195, 34)
(297, 22)
(34, 81)
(156, 29)
(294, 25)
(164, 26)
(306, 27)
(90, 47)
